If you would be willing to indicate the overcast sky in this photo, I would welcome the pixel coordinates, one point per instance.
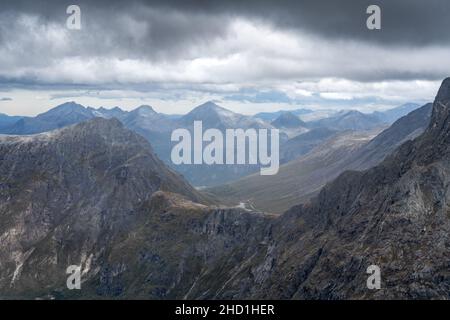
(249, 56)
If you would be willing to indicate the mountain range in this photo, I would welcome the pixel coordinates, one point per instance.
(320, 161)
(391, 115)
(296, 136)
(349, 120)
(6, 121)
(95, 194)
(271, 116)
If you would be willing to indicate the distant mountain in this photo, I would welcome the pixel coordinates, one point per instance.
(6, 121)
(58, 117)
(303, 143)
(156, 128)
(102, 112)
(297, 180)
(214, 116)
(288, 120)
(270, 116)
(61, 116)
(300, 179)
(349, 120)
(83, 144)
(289, 124)
(392, 115)
(406, 128)
(144, 117)
(394, 216)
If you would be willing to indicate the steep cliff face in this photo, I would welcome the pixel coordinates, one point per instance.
(396, 216)
(180, 249)
(325, 156)
(65, 194)
(95, 195)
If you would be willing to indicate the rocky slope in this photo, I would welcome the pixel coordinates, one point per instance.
(392, 115)
(7, 121)
(298, 180)
(288, 120)
(153, 126)
(65, 194)
(406, 128)
(212, 116)
(395, 216)
(63, 115)
(349, 120)
(140, 232)
(290, 124)
(302, 144)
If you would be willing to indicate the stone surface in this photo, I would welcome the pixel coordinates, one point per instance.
(94, 194)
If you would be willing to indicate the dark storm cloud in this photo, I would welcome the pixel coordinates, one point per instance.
(411, 22)
(163, 33)
(125, 29)
(404, 22)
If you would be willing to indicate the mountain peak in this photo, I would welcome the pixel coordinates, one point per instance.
(107, 109)
(209, 106)
(440, 118)
(145, 109)
(68, 112)
(208, 110)
(444, 91)
(352, 113)
(288, 120)
(69, 106)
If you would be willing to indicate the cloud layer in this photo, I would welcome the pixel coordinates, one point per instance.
(294, 51)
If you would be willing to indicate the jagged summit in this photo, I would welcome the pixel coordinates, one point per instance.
(97, 124)
(288, 120)
(69, 108)
(440, 118)
(207, 109)
(107, 128)
(214, 116)
(145, 109)
(444, 91)
(209, 105)
(349, 120)
(70, 105)
(100, 199)
(435, 142)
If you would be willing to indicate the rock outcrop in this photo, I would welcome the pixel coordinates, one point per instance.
(95, 195)
(66, 194)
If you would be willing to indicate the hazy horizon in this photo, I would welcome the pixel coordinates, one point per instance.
(190, 108)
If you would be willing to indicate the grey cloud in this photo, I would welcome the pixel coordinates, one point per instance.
(404, 22)
(167, 31)
(6, 99)
(131, 29)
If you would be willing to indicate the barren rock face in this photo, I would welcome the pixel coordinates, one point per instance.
(65, 194)
(395, 215)
(95, 195)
